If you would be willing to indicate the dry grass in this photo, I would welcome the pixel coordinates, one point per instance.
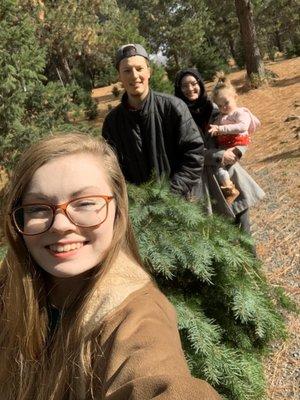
(273, 160)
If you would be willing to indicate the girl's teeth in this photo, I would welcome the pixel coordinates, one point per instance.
(65, 247)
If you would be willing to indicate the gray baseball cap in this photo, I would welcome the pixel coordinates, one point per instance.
(130, 50)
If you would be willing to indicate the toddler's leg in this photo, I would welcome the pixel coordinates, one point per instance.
(223, 177)
(228, 188)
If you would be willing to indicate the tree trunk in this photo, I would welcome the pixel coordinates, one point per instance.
(230, 42)
(278, 40)
(254, 63)
(66, 68)
(176, 59)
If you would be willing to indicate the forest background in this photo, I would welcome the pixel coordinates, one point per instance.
(53, 53)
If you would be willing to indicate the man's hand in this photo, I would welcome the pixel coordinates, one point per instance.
(213, 130)
(229, 158)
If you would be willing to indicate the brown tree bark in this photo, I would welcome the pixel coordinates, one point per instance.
(254, 63)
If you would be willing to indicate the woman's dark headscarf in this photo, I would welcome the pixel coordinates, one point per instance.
(201, 109)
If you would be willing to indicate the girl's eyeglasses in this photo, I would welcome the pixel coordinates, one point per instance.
(187, 85)
(86, 212)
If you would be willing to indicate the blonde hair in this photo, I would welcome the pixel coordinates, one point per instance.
(26, 370)
(222, 82)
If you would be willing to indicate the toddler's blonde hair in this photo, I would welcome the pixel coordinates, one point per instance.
(222, 82)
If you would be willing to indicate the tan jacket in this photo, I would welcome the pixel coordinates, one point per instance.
(142, 354)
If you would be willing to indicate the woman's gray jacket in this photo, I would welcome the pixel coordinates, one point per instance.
(250, 191)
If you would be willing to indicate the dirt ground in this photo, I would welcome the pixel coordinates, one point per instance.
(273, 160)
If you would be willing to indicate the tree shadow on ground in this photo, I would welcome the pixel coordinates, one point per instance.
(282, 156)
(287, 82)
(242, 86)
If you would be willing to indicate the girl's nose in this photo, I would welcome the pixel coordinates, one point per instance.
(61, 222)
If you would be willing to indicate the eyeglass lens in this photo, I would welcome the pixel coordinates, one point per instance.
(37, 218)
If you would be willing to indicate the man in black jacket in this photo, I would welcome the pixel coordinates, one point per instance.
(153, 132)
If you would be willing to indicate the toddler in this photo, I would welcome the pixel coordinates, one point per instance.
(232, 129)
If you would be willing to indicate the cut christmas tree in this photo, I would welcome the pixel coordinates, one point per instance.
(227, 312)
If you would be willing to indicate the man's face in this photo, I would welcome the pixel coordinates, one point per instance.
(134, 73)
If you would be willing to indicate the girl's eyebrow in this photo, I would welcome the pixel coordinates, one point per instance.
(42, 197)
(85, 189)
(36, 196)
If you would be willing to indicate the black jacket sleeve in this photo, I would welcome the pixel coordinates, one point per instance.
(190, 153)
(108, 134)
(106, 130)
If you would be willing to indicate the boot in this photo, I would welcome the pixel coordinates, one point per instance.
(230, 193)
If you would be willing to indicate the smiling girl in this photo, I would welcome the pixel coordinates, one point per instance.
(80, 316)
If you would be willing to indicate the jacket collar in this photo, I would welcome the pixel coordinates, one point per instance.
(145, 107)
(124, 277)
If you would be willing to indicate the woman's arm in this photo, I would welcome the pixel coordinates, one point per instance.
(217, 157)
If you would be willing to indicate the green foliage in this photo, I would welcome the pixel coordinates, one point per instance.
(240, 54)
(116, 91)
(81, 39)
(226, 310)
(106, 75)
(41, 112)
(224, 27)
(286, 301)
(82, 98)
(21, 69)
(159, 79)
(48, 104)
(177, 28)
(293, 48)
(21, 64)
(278, 26)
(31, 106)
(209, 61)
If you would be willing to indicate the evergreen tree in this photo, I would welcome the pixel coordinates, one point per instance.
(159, 79)
(177, 28)
(21, 66)
(81, 39)
(205, 266)
(278, 26)
(28, 107)
(224, 29)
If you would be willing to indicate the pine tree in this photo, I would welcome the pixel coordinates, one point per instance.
(205, 266)
(28, 107)
(21, 64)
